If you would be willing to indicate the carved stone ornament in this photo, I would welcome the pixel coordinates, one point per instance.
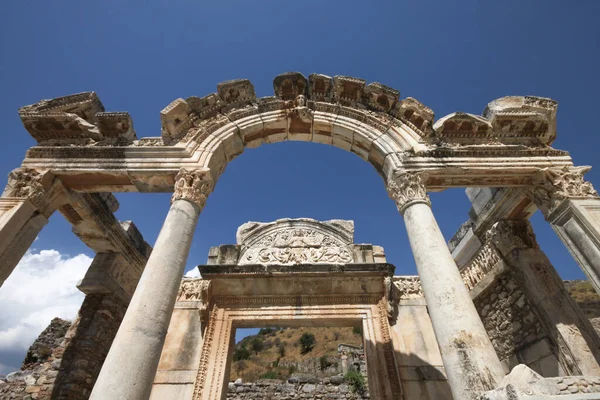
(408, 189)
(482, 263)
(507, 235)
(194, 186)
(409, 287)
(298, 246)
(553, 185)
(300, 241)
(194, 290)
(26, 183)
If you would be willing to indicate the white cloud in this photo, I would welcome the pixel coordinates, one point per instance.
(40, 288)
(193, 273)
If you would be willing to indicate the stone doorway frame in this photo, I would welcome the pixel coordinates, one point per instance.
(233, 313)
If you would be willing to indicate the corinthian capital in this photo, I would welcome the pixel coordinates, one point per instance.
(27, 183)
(193, 186)
(553, 185)
(408, 189)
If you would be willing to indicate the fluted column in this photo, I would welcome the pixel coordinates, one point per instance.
(572, 207)
(469, 358)
(129, 368)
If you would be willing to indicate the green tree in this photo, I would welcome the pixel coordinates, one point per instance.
(307, 342)
(256, 344)
(241, 353)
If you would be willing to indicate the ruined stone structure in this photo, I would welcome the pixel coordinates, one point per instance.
(488, 303)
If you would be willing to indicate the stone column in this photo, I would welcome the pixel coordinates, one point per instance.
(468, 355)
(129, 369)
(25, 206)
(576, 340)
(572, 207)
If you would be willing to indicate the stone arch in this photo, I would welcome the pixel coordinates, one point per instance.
(368, 120)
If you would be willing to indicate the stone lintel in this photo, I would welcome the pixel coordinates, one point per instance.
(109, 274)
(256, 270)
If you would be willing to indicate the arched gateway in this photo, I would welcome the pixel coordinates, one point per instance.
(504, 158)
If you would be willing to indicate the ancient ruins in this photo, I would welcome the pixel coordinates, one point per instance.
(487, 317)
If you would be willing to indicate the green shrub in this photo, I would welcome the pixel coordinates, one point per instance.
(356, 381)
(357, 330)
(325, 363)
(291, 369)
(307, 342)
(281, 350)
(269, 375)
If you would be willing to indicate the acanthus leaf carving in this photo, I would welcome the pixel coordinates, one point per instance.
(408, 189)
(553, 185)
(193, 186)
(27, 183)
(409, 287)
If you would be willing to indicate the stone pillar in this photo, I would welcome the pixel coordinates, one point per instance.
(129, 369)
(468, 355)
(25, 207)
(576, 340)
(572, 207)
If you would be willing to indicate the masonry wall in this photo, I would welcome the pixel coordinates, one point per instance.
(64, 363)
(294, 388)
(515, 329)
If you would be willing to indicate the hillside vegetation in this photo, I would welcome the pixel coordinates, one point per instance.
(277, 353)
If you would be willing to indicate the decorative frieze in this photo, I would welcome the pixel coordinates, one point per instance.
(194, 290)
(480, 265)
(553, 185)
(408, 189)
(194, 186)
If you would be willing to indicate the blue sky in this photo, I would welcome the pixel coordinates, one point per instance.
(139, 56)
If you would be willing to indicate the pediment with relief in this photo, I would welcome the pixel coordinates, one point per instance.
(296, 241)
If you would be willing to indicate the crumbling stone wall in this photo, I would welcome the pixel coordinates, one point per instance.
(86, 345)
(302, 387)
(508, 317)
(22, 384)
(64, 363)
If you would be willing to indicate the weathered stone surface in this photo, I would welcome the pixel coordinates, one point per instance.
(294, 388)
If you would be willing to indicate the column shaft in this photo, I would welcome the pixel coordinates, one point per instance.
(469, 358)
(129, 369)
